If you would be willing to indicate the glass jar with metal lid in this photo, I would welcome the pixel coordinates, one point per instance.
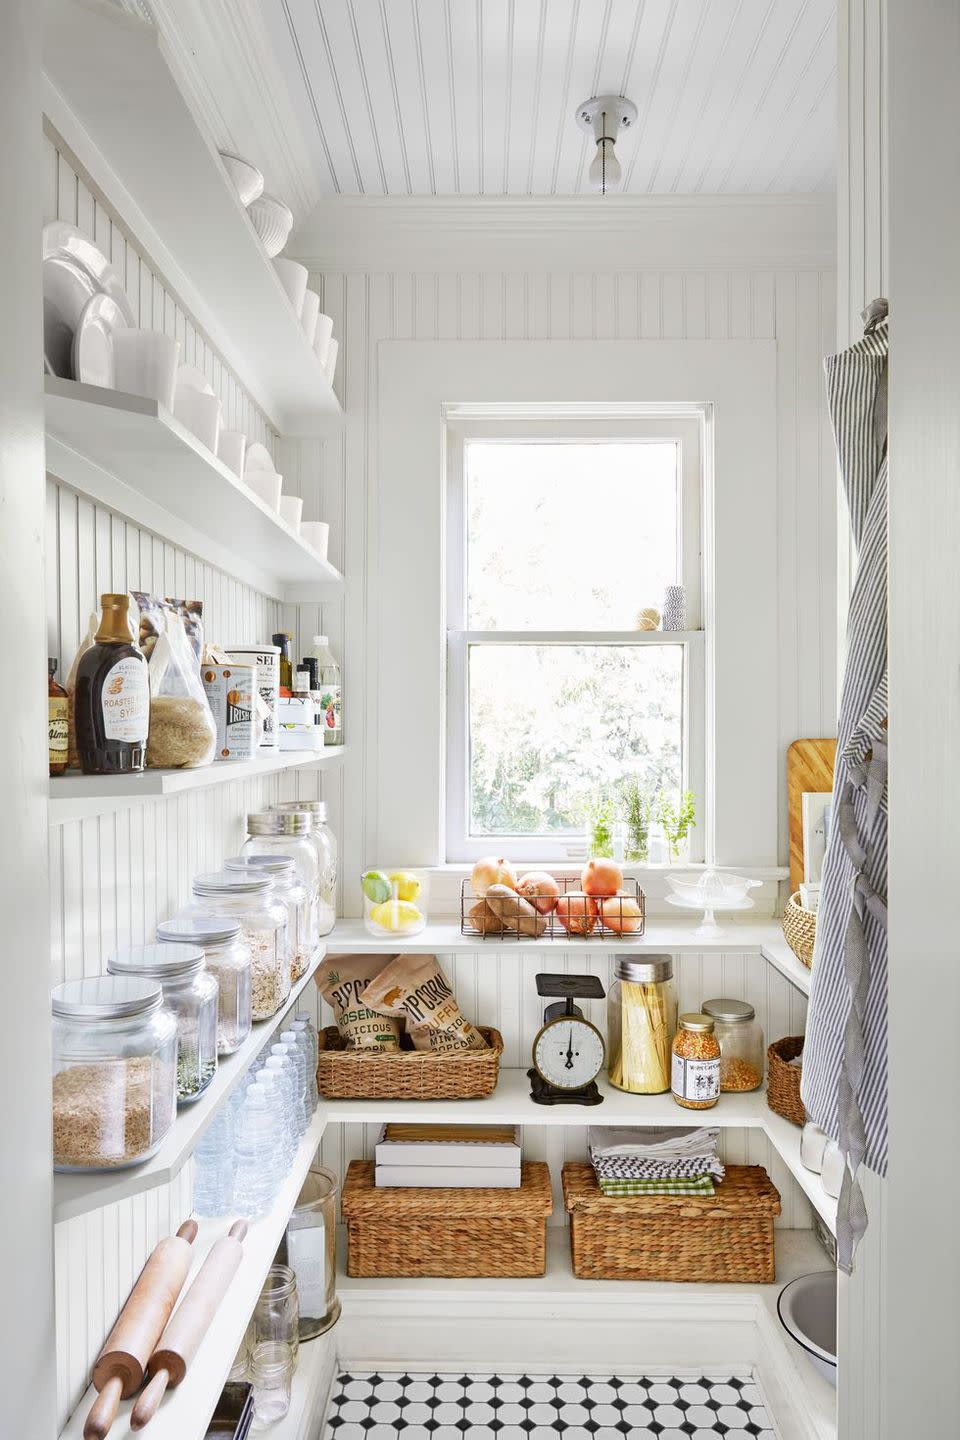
(228, 960)
(287, 883)
(114, 1072)
(695, 1068)
(263, 926)
(190, 994)
(641, 1020)
(325, 844)
(740, 1039)
(288, 833)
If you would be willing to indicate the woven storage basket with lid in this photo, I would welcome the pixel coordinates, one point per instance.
(344, 1074)
(723, 1237)
(454, 1233)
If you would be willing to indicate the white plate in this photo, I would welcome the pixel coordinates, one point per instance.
(259, 459)
(92, 352)
(74, 270)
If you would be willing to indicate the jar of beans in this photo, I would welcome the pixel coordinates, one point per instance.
(740, 1039)
(695, 1071)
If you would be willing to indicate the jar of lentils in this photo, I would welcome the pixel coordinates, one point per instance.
(324, 843)
(190, 994)
(740, 1039)
(263, 926)
(282, 870)
(695, 1071)
(228, 961)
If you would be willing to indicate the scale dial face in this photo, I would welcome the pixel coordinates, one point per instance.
(568, 1052)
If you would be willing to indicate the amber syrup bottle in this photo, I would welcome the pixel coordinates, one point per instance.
(112, 700)
(57, 728)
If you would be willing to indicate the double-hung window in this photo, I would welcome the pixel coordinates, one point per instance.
(561, 530)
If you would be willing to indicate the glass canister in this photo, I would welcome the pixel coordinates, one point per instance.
(695, 1073)
(190, 994)
(263, 926)
(228, 961)
(309, 1248)
(740, 1039)
(325, 844)
(288, 833)
(271, 1374)
(114, 1072)
(276, 1315)
(287, 883)
(641, 1022)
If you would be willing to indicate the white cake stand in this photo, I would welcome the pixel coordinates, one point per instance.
(708, 927)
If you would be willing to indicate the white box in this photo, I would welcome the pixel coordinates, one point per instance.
(448, 1177)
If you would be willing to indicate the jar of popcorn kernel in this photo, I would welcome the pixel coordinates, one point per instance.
(695, 1071)
(740, 1039)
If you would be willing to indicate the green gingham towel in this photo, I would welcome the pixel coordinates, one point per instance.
(693, 1185)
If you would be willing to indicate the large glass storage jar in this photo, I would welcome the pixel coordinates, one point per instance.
(325, 844)
(190, 994)
(740, 1038)
(263, 925)
(641, 1022)
(114, 1072)
(228, 961)
(281, 832)
(287, 883)
(309, 1248)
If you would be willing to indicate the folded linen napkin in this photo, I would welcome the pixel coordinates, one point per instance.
(695, 1185)
(652, 1144)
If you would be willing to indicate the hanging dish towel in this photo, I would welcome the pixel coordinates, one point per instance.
(844, 1083)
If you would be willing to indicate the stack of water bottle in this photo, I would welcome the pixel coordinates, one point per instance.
(246, 1153)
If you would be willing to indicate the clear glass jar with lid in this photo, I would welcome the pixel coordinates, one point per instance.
(228, 961)
(263, 926)
(287, 883)
(325, 844)
(695, 1067)
(740, 1038)
(190, 994)
(114, 1072)
(641, 1022)
(275, 832)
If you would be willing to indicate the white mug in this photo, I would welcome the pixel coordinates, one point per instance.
(322, 337)
(293, 277)
(232, 450)
(291, 508)
(309, 313)
(317, 535)
(813, 1142)
(200, 413)
(832, 1169)
(145, 363)
(267, 485)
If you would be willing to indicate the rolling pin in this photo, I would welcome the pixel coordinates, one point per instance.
(186, 1328)
(122, 1363)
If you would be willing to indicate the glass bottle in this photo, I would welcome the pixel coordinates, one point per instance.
(288, 833)
(190, 994)
(331, 690)
(229, 961)
(324, 843)
(740, 1039)
(695, 1077)
(641, 1022)
(112, 700)
(263, 925)
(58, 729)
(285, 643)
(301, 927)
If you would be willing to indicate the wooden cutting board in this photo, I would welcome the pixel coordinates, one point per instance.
(809, 769)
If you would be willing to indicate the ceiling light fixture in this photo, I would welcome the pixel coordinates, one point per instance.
(604, 116)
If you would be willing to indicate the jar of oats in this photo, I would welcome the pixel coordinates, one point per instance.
(695, 1071)
(228, 961)
(263, 917)
(740, 1039)
(287, 884)
(114, 1072)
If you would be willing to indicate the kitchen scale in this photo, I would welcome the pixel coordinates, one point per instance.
(568, 1053)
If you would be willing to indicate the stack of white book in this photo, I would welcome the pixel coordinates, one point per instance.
(449, 1157)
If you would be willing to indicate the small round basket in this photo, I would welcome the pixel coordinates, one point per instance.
(783, 1079)
(800, 929)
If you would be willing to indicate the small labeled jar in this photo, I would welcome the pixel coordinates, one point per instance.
(641, 1021)
(114, 1072)
(287, 884)
(263, 926)
(695, 1075)
(229, 962)
(190, 994)
(324, 843)
(276, 1315)
(740, 1039)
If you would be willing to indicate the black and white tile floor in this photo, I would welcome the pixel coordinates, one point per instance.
(422, 1406)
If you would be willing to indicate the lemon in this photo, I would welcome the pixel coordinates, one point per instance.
(376, 886)
(396, 915)
(408, 886)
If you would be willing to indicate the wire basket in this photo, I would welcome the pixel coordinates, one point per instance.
(573, 916)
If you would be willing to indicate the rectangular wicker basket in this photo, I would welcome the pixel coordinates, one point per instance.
(723, 1237)
(344, 1074)
(454, 1233)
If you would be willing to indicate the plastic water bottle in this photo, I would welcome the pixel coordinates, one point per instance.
(294, 1042)
(302, 1018)
(213, 1175)
(281, 1061)
(283, 1143)
(256, 1178)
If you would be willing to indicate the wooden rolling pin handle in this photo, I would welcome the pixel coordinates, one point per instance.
(149, 1402)
(189, 1231)
(104, 1409)
(238, 1230)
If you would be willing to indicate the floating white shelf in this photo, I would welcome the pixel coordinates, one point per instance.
(75, 796)
(111, 90)
(132, 455)
(185, 1412)
(76, 1194)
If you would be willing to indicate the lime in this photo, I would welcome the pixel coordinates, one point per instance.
(408, 886)
(396, 915)
(376, 887)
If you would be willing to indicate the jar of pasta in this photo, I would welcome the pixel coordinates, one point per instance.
(641, 1020)
(740, 1039)
(695, 1075)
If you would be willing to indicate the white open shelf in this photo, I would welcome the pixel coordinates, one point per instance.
(132, 455)
(75, 796)
(185, 1411)
(77, 1194)
(107, 70)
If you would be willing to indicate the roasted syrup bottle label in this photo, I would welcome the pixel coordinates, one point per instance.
(125, 700)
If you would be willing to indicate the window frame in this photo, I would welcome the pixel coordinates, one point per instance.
(565, 425)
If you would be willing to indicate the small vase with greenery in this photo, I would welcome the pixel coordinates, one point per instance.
(638, 810)
(677, 821)
(600, 815)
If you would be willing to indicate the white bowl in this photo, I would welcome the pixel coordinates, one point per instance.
(711, 888)
(330, 363)
(231, 449)
(291, 508)
(245, 178)
(317, 535)
(807, 1308)
(200, 413)
(322, 337)
(272, 221)
(267, 485)
(309, 314)
(293, 277)
(145, 363)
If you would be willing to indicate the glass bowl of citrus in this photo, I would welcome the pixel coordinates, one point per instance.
(395, 902)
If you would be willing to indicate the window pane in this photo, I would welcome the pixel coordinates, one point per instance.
(554, 727)
(573, 536)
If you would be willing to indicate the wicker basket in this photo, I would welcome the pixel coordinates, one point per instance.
(455, 1233)
(344, 1074)
(800, 929)
(723, 1237)
(783, 1079)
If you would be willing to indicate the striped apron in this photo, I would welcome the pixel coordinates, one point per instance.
(844, 1081)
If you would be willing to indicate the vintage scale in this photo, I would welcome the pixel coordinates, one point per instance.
(568, 1053)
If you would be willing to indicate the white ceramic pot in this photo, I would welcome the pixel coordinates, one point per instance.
(317, 535)
(330, 363)
(267, 485)
(293, 278)
(807, 1308)
(145, 363)
(291, 508)
(200, 413)
(322, 336)
(232, 450)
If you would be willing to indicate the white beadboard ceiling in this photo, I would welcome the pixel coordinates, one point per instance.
(477, 97)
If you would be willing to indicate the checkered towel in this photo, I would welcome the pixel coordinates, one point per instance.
(652, 1144)
(695, 1185)
(633, 1168)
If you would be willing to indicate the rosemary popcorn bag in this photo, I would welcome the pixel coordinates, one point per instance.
(341, 980)
(415, 987)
